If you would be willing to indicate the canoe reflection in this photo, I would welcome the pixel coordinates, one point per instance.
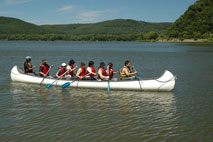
(87, 98)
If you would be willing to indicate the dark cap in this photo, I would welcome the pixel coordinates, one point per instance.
(102, 64)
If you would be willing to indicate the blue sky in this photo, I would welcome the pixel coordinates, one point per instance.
(90, 11)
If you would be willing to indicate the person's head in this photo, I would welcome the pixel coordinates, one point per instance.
(44, 61)
(127, 63)
(91, 63)
(63, 65)
(110, 65)
(72, 62)
(83, 64)
(28, 58)
(102, 64)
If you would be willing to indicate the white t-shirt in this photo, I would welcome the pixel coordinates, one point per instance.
(69, 69)
(89, 69)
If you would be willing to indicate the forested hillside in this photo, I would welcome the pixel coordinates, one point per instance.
(118, 26)
(113, 30)
(15, 26)
(196, 22)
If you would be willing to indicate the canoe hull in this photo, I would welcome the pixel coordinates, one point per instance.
(165, 83)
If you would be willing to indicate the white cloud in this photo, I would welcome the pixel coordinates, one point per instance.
(65, 8)
(12, 2)
(93, 16)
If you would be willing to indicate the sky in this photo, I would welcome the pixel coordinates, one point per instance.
(90, 11)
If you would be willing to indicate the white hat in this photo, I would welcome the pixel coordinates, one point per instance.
(63, 64)
(28, 57)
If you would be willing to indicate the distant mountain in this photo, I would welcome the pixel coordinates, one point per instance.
(119, 26)
(196, 22)
(15, 26)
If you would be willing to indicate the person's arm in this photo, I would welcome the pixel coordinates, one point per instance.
(74, 68)
(57, 74)
(90, 72)
(101, 76)
(114, 72)
(41, 71)
(127, 73)
(31, 68)
(78, 73)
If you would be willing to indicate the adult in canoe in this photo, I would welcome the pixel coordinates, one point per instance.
(126, 73)
(110, 71)
(81, 71)
(27, 66)
(102, 75)
(44, 68)
(90, 71)
(70, 69)
(61, 70)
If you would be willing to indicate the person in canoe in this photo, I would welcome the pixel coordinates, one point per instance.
(126, 73)
(28, 67)
(110, 71)
(70, 68)
(90, 71)
(102, 75)
(81, 71)
(44, 68)
(61, 70)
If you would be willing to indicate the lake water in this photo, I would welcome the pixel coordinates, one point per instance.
(33, 113)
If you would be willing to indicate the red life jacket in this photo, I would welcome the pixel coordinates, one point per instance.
(62, 71)
(103, 73)
(82, 72)
(110, 73)
(70, 72)
(92, 70)
(45, 68)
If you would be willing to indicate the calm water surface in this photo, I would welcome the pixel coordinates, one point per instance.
(33, 113)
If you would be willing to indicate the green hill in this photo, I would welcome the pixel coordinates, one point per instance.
(118, 26)
(15, 26)
(196, 22)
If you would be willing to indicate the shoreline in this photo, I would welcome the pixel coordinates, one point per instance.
(185, 40)
(161, 40)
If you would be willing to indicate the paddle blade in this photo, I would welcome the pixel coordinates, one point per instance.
(65, 85)
(48, 85)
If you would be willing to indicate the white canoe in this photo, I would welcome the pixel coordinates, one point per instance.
(165, 83)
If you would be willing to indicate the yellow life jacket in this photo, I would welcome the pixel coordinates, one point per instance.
(123, 74)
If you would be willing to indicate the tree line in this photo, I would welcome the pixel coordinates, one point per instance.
(150, 36)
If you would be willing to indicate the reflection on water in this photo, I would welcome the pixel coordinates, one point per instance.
(90, 113)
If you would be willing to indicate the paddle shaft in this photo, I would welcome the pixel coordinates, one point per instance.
(49, 85)
(46, 75)
(67, 84)
(139, 78)
(108, 88)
